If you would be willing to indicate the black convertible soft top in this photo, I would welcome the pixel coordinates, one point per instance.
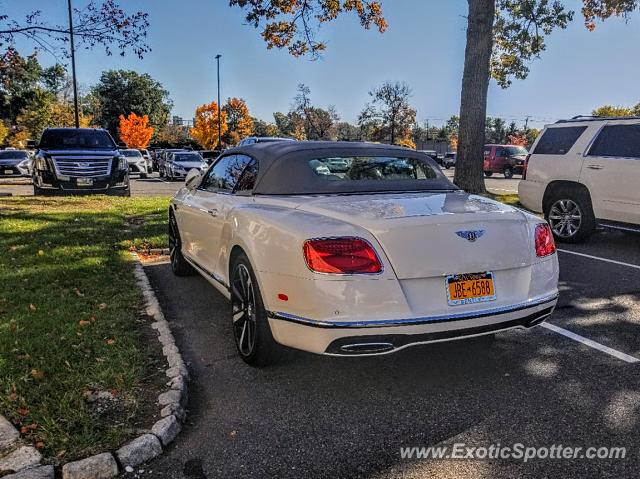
(284, 168)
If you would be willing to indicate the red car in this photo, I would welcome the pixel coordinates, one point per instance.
(505, 159)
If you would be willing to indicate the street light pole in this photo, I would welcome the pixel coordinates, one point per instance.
(73, 67)
(219, 106)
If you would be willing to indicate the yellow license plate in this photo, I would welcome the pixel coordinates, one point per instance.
(470, 288)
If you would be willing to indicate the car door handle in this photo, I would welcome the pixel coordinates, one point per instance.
(594, 167)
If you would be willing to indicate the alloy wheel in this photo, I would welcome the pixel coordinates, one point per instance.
(243, 302)
(565, 218)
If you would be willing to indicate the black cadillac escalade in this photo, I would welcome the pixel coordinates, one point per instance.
(79, 161)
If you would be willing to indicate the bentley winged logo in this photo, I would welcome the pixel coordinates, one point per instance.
(470, 235)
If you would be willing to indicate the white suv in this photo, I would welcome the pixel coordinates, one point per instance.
(582, 172)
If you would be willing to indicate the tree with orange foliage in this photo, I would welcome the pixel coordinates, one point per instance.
(518, 139)
(453, 141)
(239, 121)
(134, 130)
(205, 128)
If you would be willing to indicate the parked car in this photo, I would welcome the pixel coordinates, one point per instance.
(79, 161)
(335, 263)
(163, 157)
(210, 155)
(262, 139)
(449, 160)
(584, 172)
(11, 160)
(147, 157)
(137, 163)
(179, 163)
(505, 159)
(433, 154)
(154, 153)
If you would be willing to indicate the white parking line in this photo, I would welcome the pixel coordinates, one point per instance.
(592, 344)
(588, 342)
(606, 260)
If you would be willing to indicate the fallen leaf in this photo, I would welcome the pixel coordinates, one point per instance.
(23, 411)
(40, 253)
(111, 341)
(24, 430)
(78, 292)
(13, 325)
(102, 306)
(37, 374)
(83, 322)
(61, 453)
(32, 307)
(39, 445)
(233, 433)
(92, 319)
(13, 397)
(67, 363)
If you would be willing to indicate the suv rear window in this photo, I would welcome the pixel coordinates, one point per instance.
(617, 140)
(558, 141)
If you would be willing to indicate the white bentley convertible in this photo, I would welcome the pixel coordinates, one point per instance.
(356, 249)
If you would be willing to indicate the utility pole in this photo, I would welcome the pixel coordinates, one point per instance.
(526, 123)
(219, 105)
(73, 67)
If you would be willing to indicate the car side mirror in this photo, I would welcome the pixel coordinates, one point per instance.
(122, 146)
(193, 179)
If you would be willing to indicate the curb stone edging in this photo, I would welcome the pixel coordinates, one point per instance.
(27, 459)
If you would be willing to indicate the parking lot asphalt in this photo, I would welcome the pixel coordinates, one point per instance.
(151, 186)
(316, 416)
(496, 184)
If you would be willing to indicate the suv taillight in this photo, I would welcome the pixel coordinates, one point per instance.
(348, 255)
(545, 245)
(524, 168)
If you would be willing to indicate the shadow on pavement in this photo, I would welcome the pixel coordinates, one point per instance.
(329, 417)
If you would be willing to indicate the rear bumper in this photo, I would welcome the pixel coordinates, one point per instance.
(386, 336)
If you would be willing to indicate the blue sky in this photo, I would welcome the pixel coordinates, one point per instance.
(423, 46)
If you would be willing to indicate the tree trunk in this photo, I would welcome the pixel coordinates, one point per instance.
(473, 102)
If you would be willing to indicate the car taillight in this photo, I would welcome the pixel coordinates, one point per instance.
(346, 255)
(545, 245)
(524, 168)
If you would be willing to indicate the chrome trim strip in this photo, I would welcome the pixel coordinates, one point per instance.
(385, 323)
(214, 276)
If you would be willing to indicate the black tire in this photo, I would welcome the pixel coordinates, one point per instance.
(251, 330)
(488, 173)
(161, 172)
(447, 166)
(508, 172)
(37, 191)
(143, 176)
(570, 215)
(179, 265)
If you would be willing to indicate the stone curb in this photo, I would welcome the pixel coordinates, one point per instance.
(24, 461)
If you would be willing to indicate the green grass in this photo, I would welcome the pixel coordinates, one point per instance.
(70, 317)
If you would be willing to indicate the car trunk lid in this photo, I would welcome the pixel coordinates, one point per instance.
(435, 234)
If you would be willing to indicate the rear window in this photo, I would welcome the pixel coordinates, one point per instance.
(77, 139)
(367, 168)
(617, 140)
(558, 141)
